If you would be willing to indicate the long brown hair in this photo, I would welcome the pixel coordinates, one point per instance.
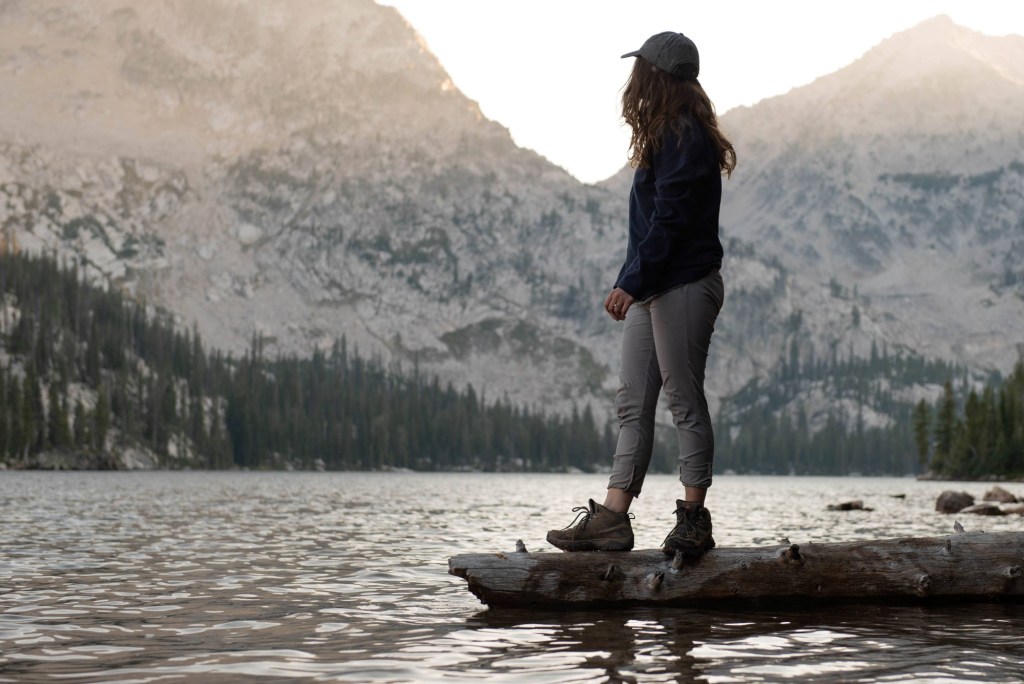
(655, 101)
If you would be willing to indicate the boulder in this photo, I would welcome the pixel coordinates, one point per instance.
(953, 502)
(1018, 509)
(849, 506)
(984, 509)
(999, 495)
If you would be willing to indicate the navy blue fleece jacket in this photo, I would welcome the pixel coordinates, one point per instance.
(673, 216)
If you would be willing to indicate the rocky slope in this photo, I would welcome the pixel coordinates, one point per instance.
(304, 174)
(901, 179)
(301, 175)
(887, 202)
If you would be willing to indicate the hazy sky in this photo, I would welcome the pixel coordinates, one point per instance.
(550, 71)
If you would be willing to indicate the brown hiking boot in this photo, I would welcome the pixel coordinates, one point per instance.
(692, 533)
(595, 528)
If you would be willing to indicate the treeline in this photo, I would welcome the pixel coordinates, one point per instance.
(86, 371)
(342, 411)
(980, 436)
(774, 427)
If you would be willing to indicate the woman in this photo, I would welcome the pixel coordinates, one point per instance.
(668, 292)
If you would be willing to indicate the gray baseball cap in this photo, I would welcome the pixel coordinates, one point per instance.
(671, 52)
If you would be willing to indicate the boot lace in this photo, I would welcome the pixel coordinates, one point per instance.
(583, 516)
(686, 521)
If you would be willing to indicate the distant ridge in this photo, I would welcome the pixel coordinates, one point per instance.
(917, 81)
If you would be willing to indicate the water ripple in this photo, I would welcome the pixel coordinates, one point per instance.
(140, 577)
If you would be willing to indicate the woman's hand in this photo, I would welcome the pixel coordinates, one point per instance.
(617, 303)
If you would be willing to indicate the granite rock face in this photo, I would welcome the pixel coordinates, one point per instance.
(302, 174)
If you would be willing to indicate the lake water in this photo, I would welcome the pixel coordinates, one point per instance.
(343, 577)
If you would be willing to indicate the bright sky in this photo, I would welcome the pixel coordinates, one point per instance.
(550, 71)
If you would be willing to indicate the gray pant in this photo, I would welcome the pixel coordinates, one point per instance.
(665, 344)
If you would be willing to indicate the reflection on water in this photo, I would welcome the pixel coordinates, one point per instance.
(229, 576)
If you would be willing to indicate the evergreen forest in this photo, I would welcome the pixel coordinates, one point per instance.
(982, 436)
(776, 427)
(87, 372)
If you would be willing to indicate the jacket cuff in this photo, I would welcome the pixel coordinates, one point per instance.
(630, 284)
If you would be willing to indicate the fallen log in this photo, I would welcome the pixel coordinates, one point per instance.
(974, 565)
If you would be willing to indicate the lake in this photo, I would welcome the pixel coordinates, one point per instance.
(225, 576)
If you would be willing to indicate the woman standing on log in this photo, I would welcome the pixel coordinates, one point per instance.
(669, 293)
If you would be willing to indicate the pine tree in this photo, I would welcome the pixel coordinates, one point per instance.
(197, 428)
(19, 438)
(92, 356)
(34, 413)
(5, 413)
(59, 433)
(945, 431)
(968, 452)
(80, 428)
(168, 413)
(101, 421)
(922, 424)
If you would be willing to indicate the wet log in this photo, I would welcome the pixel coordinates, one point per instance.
(971, 565)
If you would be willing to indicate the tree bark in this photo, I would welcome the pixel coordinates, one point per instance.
(978, 565)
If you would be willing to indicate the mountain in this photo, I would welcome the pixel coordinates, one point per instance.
(886, 200)
(900, 178)
(301, 174)
(306, 172)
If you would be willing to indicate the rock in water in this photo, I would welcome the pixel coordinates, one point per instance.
(849, 506)
(953, 502)
(984, 509)
(999, 495)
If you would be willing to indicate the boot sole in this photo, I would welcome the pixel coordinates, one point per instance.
(689, 550)
(592, 544)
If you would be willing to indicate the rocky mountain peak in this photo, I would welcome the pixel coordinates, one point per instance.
(938, 60)
(939, 45)
(898, 175)
(198, 78)
(926, 80)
